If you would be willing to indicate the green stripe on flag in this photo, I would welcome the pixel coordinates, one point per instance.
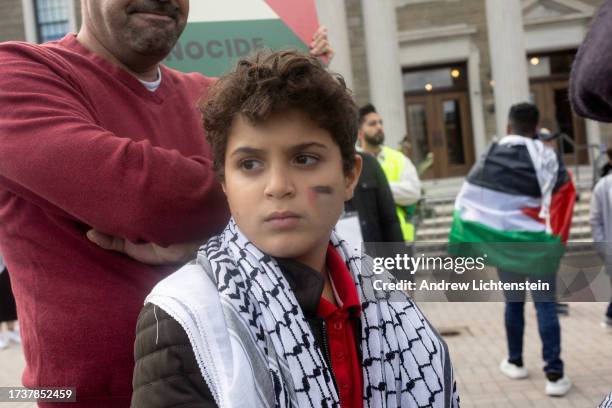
(530, 253)
(212, 48)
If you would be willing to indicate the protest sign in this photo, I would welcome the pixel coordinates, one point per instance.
(220, 32)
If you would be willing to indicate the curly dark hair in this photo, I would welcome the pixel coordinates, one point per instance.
(270, 83)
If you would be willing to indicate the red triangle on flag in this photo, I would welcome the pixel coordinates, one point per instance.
(299, 15)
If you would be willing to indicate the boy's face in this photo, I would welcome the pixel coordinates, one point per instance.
(285, 184)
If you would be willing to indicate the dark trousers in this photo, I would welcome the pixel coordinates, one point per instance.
(609, 311)
(548, 321)
(8, 309)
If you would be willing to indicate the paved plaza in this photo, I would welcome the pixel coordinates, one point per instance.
(475, 335)
(480, 346)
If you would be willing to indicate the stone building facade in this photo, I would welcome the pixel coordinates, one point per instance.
(12, 26)
(427, 66)
(38, 20)
(432, 37)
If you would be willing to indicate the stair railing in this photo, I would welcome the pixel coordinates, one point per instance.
(594, 158)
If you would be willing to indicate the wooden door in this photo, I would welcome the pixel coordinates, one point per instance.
(556, 114)
(419, 118)
(440, 123)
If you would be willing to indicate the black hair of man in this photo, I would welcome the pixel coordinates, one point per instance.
(523, 119)
(364, 111)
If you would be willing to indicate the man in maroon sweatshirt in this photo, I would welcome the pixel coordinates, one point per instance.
(99, 140)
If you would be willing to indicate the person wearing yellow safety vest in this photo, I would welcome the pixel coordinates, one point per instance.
(401, 173)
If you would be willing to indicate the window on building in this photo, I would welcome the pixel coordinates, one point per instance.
(435, 78)
(550, 64)
(52, 19)
(439, 128)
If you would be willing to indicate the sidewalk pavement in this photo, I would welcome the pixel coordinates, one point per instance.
(11, 366)
(481, 345)
(477, 348)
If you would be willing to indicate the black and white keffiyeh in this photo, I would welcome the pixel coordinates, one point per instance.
(607, 402)
(255, 347)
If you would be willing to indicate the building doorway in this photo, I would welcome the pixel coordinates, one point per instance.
(549, 85)
(438, 119)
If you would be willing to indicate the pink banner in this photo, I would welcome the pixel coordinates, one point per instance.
(299, 15)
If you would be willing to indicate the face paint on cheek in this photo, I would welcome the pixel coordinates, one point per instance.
(316, 191)
(322, 190)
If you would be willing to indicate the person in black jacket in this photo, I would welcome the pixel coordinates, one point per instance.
(373, 202)
(167, 373)
(591, 76)
(591, 83)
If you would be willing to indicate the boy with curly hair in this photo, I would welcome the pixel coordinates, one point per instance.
(278, 311)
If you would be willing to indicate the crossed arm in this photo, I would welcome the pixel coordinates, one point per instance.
(53, 154)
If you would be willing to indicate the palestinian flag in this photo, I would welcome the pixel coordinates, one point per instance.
(499, 212)
(218, 33)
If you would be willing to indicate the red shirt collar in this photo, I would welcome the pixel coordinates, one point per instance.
(343, 284)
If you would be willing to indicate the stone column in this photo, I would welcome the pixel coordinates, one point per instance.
(384, 69)
(29, 21)
(508, 57)
(72, 16)
(332, 15)
(593, 134)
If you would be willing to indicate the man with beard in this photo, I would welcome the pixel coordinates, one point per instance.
(98, 140)
(401, 173)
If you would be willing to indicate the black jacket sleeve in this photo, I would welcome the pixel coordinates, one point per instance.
(389, 224)
(166, 372)
(591, 78)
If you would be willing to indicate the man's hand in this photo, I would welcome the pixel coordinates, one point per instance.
(146, 253)
(319, 47)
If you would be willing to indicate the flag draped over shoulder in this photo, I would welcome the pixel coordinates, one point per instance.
(515, 208)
